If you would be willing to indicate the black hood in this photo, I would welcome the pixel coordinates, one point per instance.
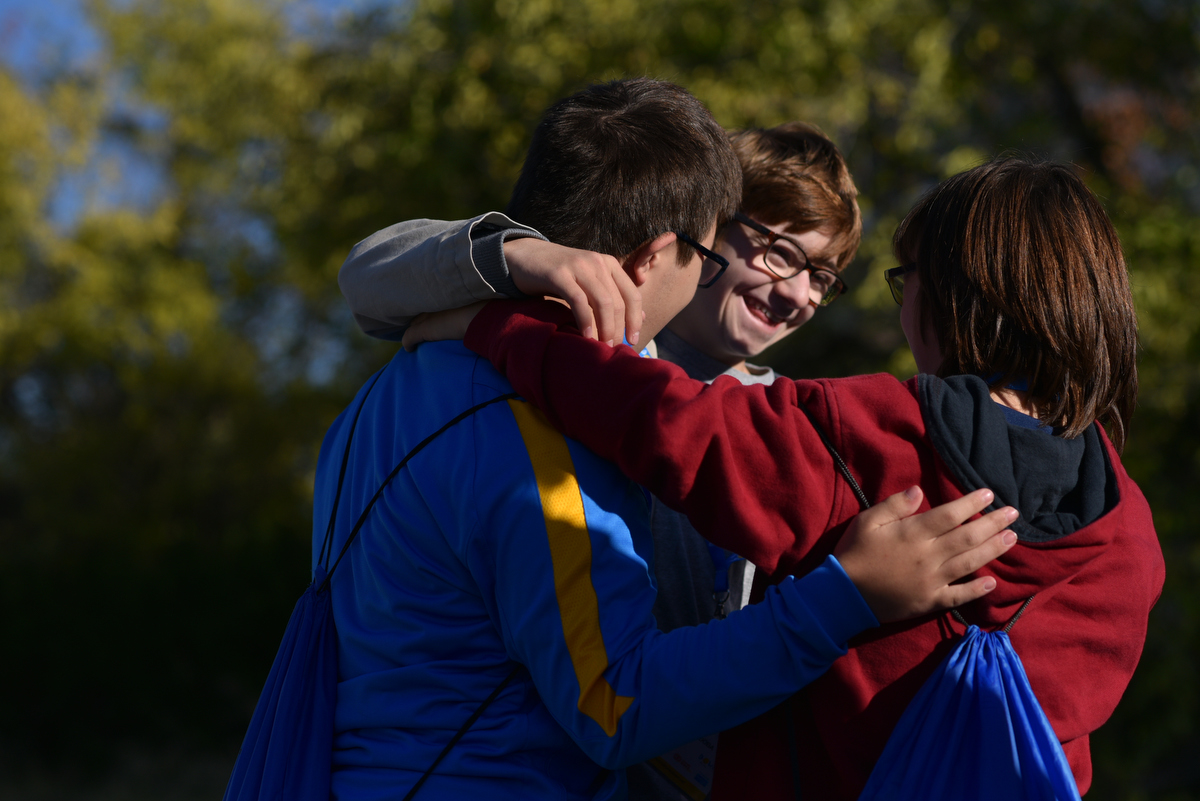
(1058, 485)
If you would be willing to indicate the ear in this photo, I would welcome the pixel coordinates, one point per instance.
(639, 263)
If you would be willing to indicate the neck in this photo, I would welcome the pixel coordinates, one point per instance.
(680, 329)
(696, 355)
(1014, 399)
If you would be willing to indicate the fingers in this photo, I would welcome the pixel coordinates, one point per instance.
(894, 508)
(959, 594)
(632, 297)
(905, 564)
(415, 333)
(581, 307)
(450, 324)
(606, 303)
(941, 519)
(971, 535)
(966, 563)
(615, 301)
(972, 546)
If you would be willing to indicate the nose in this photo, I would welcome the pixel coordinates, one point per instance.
(795, 291)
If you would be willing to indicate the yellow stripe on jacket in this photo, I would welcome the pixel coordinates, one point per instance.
(571, 554)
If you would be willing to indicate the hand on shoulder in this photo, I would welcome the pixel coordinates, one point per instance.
(606, 303)
(905, 565)
(438, 326)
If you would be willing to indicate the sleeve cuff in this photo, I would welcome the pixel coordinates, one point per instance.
(837, 603)
(487, 252)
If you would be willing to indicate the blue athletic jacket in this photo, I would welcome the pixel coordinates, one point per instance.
(505, 543)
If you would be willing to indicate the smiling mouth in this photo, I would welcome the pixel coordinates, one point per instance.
(764, 311)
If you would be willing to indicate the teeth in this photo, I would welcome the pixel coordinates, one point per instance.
(772, 318)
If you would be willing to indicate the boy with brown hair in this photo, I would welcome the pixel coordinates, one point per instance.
(796, 229)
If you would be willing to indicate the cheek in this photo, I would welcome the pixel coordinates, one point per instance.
(739, 279)
(711, 301)
(735, 248)
(685, 292)
(802, 317)
(906, 315)
(910, 321)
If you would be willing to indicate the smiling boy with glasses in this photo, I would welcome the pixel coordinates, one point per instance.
(796, 229)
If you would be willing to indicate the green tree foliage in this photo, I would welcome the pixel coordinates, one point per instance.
(168, 366)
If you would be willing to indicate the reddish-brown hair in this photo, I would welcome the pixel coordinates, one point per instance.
(794, 174)
(1022, 276)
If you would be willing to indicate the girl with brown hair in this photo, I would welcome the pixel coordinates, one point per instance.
(1016, 302)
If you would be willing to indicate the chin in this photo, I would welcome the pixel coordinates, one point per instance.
(739, 353)
(755, 349)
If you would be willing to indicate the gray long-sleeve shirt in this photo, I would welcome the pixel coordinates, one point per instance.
(425, 266)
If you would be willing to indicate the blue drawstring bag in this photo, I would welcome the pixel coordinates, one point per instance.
(286, 753)
(975, 730)
(288, 749)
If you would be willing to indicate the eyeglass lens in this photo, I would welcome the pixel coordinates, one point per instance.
(709, 271)
(824, 286)
(787, 261)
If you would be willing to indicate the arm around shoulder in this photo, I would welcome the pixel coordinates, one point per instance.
(424, 266)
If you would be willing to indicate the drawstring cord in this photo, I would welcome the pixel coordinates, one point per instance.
(1011, 621)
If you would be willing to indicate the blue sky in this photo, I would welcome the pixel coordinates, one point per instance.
(34, 32)
(37, 35)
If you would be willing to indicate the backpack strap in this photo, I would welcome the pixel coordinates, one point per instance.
(458, 735)
(323, 557)
(327, 548)
(362, 518)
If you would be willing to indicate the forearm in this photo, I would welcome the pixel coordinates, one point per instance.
(730, 457)
(732, 670)
(563, 553)
(425, 266)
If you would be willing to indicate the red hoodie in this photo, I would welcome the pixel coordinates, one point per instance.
(747, 467)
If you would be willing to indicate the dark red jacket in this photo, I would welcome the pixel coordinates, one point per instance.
(747, 467)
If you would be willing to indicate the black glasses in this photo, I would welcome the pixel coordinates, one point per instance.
(784, 257)
(895, 280)
(709, 255)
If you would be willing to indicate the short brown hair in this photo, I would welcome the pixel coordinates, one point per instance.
(794, 174)
(617, 164)
(1022, 276)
